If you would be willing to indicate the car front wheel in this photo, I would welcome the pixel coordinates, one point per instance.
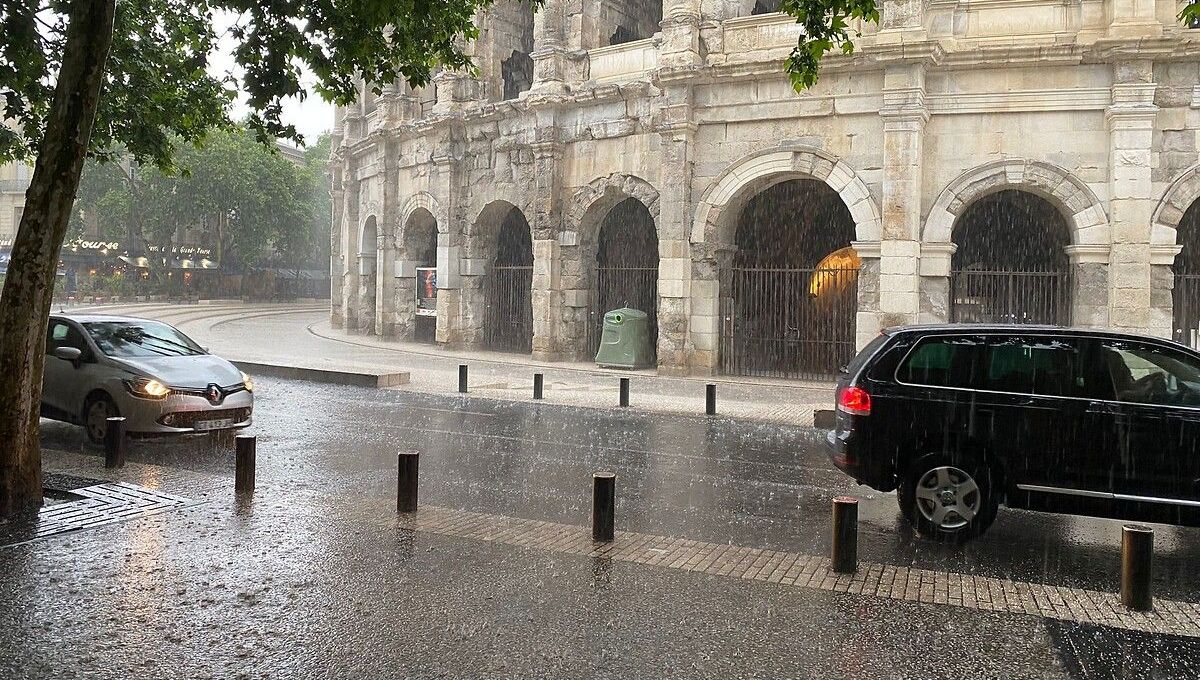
(948, 500)
(96, 412)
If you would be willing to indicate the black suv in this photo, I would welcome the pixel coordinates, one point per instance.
(960, 418)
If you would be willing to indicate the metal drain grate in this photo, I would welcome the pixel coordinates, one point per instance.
(101, 504)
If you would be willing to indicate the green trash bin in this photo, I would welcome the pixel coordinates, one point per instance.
(625, 342)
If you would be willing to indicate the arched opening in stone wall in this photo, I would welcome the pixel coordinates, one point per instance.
(765, 6)
(626, 269)
(420, 248)
(1186, 274)
(1011, 264)
(623, 21)
(508, 286)
(368, 245)
(510, 30)
(790, 296)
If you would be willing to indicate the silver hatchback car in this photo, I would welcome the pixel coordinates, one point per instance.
(147, 371)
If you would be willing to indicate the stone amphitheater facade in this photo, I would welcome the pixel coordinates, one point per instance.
(1092, 106)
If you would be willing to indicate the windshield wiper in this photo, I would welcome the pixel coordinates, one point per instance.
(190, 351)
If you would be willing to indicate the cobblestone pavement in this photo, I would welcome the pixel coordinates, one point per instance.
(317, 576)
(301, 335)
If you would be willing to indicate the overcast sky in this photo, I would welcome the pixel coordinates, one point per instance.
(311, 116)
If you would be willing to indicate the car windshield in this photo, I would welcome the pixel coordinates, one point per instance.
(127, 339)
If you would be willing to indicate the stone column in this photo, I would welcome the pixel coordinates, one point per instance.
(446, 185)
(337, 237)
(1134, 19)
(904, 118)
(389, 229)
(1089, 284)
(675, 214)
(936, 259)
(868, 321)
(405, 295)
(1131, 128)
(1162, 291)
(549, 49)
(705, 306)
(680, 35)
(350, 277)
(546, 223)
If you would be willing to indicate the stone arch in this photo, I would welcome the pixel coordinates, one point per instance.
(1179, 196)
(422, 201)
(368, 237)
(718, 208)
(1084, 214)
(592, 201)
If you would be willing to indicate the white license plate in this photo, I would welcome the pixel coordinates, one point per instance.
(220, 424)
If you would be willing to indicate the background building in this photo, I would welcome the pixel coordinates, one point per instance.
(1018, 160)
(14, 180)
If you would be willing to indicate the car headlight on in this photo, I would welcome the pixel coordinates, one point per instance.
(247, 382)
(147, 388)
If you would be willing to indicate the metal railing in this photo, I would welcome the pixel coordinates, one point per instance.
(1025, 297)
(1186, 298)
(787, 323)
(508, 321)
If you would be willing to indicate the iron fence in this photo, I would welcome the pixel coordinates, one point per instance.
(1033, 297)
(787, 323)
(508, 322)
(1186, 299)
(616, 287)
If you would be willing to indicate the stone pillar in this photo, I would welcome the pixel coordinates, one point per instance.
(868, 321)
(675, 214)
(452, 271)
(574, 272)
(337, 236)
(389, 230)
(350, 275)
(1133, 19)
(405, 296)
(680, 35)
(1131, 128)
(367, 276)
(936, 259)
(1089, 284)
(904, 118)
(1162, 291)
(549, 49)
(705, 320)
(545, 221)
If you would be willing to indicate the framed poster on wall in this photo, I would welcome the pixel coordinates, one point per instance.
(426, 291)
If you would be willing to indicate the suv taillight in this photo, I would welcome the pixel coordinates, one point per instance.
(855, 401)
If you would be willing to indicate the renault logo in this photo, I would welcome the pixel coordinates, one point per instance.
(214, 394)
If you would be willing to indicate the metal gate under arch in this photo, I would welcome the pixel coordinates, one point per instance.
(508, 326)
(617, 287)
(1021, 297)
(1186, 303)
(787, 323)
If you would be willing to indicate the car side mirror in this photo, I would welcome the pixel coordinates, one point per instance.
(71, 354)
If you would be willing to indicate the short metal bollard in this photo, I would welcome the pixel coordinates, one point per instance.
(115, 443)
(462, 378)
(1137, 556)
(624, 399)
(710, 399)
(844, 552)
(538, 381)
(406, 481)
(245, 451)
(604, 501)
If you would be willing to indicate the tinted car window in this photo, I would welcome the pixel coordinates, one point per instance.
(942, 361)
(63, 334)
(140, 339)
(1145, 374)
(867, 352)
(1028, 365)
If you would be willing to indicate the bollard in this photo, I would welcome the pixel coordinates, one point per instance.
(710, 399)
(245, 451)
(844, 552)
(604, 500)
(1137, 554)
(462, 378)
(114, 443)
(537, 385)
(624, 392)
(406, 481)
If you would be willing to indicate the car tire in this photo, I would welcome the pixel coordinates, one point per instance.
(95, 424)
(949, 499)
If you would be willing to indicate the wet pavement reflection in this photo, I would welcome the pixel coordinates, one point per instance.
(313, 559)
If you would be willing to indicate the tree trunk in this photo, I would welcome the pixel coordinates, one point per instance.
(29, 285)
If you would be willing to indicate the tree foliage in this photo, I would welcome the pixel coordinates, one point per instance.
(827, 26)
(246, 201)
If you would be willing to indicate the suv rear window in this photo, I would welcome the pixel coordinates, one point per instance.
(867, 352)
(999, 363)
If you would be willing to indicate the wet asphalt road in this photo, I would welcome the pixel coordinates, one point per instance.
(313, 578)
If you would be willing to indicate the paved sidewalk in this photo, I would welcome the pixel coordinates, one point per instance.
(301, 335)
